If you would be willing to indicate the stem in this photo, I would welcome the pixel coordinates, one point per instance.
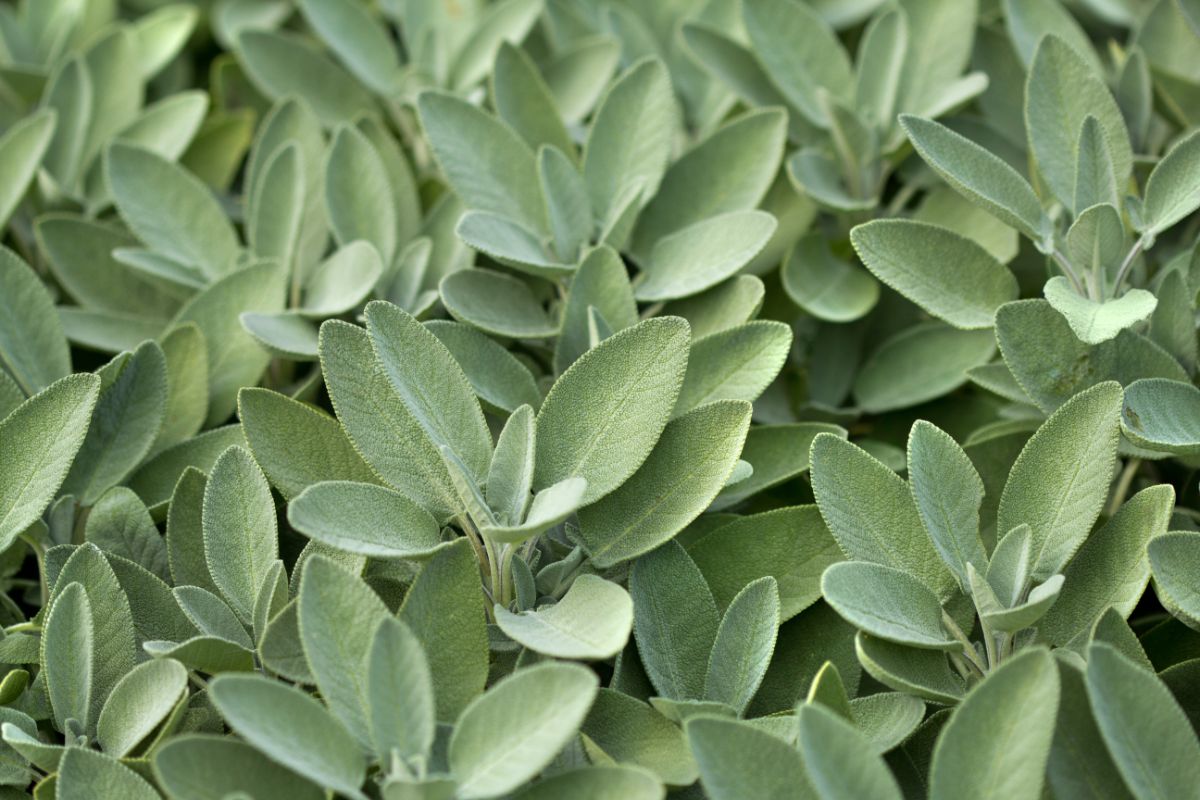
(1069, 271)
(1127, 264)
(39, 553)
(1123, 484)
(901, 199)
(968, 648)
(989, 644)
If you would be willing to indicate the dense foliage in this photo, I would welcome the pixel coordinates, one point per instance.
(599, 399)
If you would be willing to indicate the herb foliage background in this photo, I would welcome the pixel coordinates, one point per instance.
(416, 399)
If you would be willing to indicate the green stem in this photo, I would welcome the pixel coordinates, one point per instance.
(1127, 264)
(968, 648)
(1070, 272)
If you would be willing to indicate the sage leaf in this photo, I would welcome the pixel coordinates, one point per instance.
(510, 733)
(1161, 414)
(33, 347)
(1124, 699)
(980, 176)
(912, 258)
(365, 519)
(839, 760)
(887, 603)
(743, 646)
(1171, 192)
(292, 729)
(240, 530)
(1020, 697)
(1059, 483)
(736, 758)
(687, 468)
(628, 384)
(1095, 322)
(38, 442)
(592, 621)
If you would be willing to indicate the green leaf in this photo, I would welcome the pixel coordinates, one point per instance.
(506, 21)
(33, 347)
(730, 170)
(744, 644)
(603, 416)
(1062, 91)
(1110, 570)
(155, 480)
(67, 657)
(777, 453)
(21, 151)
(120, 524)
(568, 207)
(342, 281)
(791, 545)
(85, 774)
(360, 42)
(401, 707)
(631, 732)
(948, 275)
(212, 615)
(524, 101)
(276, 209)
(841, 763)
(240, 530)
(234, 358)
(284, 65)
(687, 468)
(920, 364)
(1172, 191)
(484, 160)
(113, 641)
(170, 209)
(358, 198)
(887, 603)
(775, 27)
(1095, 180)
(500, 379)
(138, 703)
(980, 176)
(295, 444)
(675, 621)
(1059, 483)
(292, 729)
(193, 767)
(550, 507)
(125, 422)
(1148, 736)
(1052, 365)
(1161, 415)
(871, 512)
(703, 254)
(738, 760)
(922, 673)
(600, 782)
(592, 621)
(442, 608)
(37, 444)
(365, 519)
(78, 254)
(338, 615)
(429, 381)
(187, 386)
(1171, 558)
(510, 734)
(949, 494)
(1019, 700)
(825, 286)
(630, 139)
(377, 421)
(1095, 322)
(734, 364)
(601, 282)
(496, 303)
(510, 475)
